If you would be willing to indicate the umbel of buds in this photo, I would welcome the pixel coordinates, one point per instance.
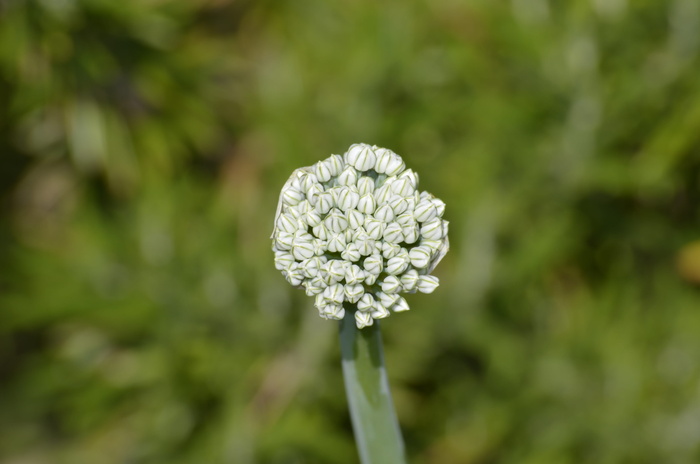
(355, 228)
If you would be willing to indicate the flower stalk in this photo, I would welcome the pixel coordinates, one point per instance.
(374, 422)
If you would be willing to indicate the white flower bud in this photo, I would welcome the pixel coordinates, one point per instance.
(336, 269)
(347, 199)
(348, 176)
(387, 299)
(366, 303)
(384, 158)
(284, 240)
(420, 256)
(432, 244)
(336, 243)
(373, 264)
(396, 265)
(307, 181)
(384, 214)
(365, 185)
(433, 229)
(292, 196)
(355, 219)
(353, 293)
(283, 260)
(439, 205)
(395, 166)
(383, 194)
(324, 202)
(393, 233)
(366, 204)
(336, 221)
(391, 284)
(349, 234)
(303, 250)
(427, 283)
(379, 311)
(312, 218)
(320, 231)
(363, 319)
(361, 157)
(409, 280)
(334, 311)
(365, 245)
(311, 267)
(411, 176)
(311, 289)
(320, 301)
(313, 193)
(294, 275)
(405, 219)
(334, 293)
(370, 279)
(402, 187)
(322, 170)
(410, 233)
(302, 208)
(287, 223)
(354, 275)
(318, 281)
(351, 253)
(425, 211)
(374, 228)
(398, 205)
(335, 164)
(302, 235)
(400, 305)
(389, 250)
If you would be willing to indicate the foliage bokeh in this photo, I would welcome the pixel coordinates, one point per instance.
(144, 143)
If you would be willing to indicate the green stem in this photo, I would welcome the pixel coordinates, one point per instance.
(377, 431)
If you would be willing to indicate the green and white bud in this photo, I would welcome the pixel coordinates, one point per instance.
(348, 198)
(366, 303)
(336, 221)
(379, 311)
(354, 275)
(389, 250)
(322, 171)
(355, 219)
(353, 293)
(303, 250)
(433, 229)
(420, 256)
(336, 243)
(427, 283)
(396, 265)
(393, 233)
(292, 196)
(374, 228)
(409, 280)
(400, 305)
(325, 203)
(366, 204)
(374, 264)
(351, 253)
(363, 319)
(348, 176)
(283, 260)
(334, 293)
(391, 284)
(365, 185)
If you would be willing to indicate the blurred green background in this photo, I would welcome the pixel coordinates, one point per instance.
(144, 143)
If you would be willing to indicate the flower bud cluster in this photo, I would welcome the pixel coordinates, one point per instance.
(355, 228)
